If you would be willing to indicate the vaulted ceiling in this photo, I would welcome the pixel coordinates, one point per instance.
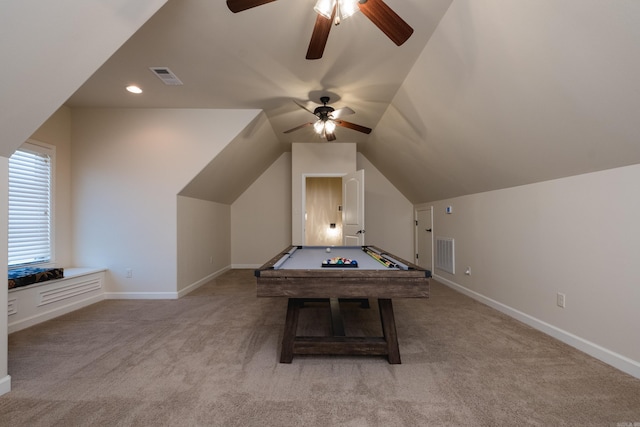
(486, 94)
(256, 59)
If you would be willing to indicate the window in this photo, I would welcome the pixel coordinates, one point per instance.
(30, 210)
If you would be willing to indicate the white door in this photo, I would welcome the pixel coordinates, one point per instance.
(353, 209)
(424, 238)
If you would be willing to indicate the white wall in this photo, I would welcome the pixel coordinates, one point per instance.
(261, 217)
(333, 159)
(5, 379)
(389, 221)
(128, 165)
(388, 214)
(204, 241)
(579, 236)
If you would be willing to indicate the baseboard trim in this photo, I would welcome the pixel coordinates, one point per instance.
(166, 295)
(605, 355)
(141, 295)
(5, 385)
(245, 266)
(192, 287)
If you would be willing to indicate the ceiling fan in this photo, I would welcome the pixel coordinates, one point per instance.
(333, 11)
(328, 119)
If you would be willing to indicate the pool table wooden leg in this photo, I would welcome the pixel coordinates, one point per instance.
(290, 329)
(337, 327)
(389, 329)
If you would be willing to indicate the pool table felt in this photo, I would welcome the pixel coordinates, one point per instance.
(312, 257)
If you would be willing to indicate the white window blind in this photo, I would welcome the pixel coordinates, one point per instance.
(29, 207)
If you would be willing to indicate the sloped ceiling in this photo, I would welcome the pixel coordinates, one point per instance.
(48, 49)
(239, 164)
(256, 59)
(514, 92)
(486, 94)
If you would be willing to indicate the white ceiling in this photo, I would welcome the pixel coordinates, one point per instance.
(256, 59)
(486, 94)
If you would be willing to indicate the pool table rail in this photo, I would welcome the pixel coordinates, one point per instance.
(341, 283)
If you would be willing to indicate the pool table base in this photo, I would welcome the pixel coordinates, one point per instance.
(337, 343)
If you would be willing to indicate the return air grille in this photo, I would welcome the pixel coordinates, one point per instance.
(64, 292)
(166, 75)
(12, 307)
(445, 254)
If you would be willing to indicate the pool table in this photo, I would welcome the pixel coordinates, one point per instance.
(309, 273)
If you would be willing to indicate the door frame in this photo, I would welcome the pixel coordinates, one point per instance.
(416, 232)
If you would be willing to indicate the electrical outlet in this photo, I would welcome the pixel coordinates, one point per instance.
(560, 300)
(129, 273)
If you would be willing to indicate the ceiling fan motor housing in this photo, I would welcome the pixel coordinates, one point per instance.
(323, 111)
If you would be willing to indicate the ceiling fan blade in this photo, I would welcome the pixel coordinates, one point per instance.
(236, 6)
(387, 20)
(302, 106)
(330, 136)
(353, 126)
(320, 36)
(344, 111)
(298, 127)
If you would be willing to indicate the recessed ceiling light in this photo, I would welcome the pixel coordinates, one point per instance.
(134, 89)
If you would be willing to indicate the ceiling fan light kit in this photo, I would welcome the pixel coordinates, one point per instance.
(328, 120)
(333, 11)
(323, 127)
(325, 7)
(345, 9)
(329, 126)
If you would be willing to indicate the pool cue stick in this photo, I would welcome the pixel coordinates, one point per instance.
(380, 259)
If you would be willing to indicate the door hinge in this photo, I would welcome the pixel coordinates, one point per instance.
(416, 223)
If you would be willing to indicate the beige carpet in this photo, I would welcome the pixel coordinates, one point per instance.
(211, 358)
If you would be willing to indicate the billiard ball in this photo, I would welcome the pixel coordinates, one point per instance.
(328, 250)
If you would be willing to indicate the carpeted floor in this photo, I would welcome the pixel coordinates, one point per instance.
(211, 359)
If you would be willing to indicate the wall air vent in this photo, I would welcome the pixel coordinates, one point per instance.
(445, 255)
(166, 75)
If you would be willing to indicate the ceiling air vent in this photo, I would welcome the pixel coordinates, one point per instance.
(166, 75)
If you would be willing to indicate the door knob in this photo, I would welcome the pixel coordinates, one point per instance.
(428, 230)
